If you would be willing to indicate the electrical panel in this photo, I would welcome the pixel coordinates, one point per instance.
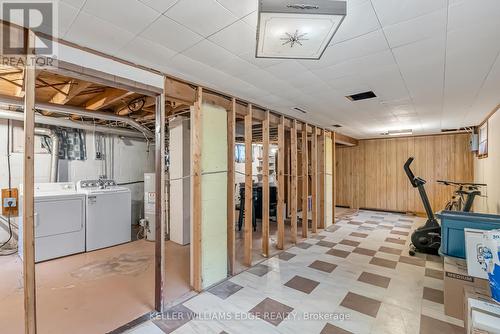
(10, 202)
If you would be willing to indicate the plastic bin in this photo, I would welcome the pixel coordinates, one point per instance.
(452, 229)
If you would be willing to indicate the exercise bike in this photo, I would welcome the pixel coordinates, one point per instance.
(427, 238)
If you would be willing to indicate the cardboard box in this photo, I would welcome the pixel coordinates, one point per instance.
(482, 312)
(473, 244)
(456, 279)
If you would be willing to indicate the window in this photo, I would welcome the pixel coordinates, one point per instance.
(483, 140)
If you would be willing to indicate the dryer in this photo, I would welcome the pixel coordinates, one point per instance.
(108, 211)
(59, 219)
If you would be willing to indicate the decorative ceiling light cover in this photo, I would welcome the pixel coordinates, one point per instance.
(299, 29)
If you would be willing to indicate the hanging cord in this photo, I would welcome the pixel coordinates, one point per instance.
(10, 191)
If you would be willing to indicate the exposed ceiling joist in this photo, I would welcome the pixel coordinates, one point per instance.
(108, 97)
(69, 91)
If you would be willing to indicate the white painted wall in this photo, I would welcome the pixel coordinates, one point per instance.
(487, 170)
(129, 160)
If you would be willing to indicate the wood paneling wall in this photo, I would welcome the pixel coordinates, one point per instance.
(371, 174)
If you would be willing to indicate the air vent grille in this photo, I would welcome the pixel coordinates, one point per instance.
(361, 96)
(300, 110)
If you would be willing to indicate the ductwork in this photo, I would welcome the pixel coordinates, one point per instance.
(69, 110)
(54, 160)
(55, 121)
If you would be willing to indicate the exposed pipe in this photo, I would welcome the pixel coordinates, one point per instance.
(54, 159)
(54, 121)
(69, 110)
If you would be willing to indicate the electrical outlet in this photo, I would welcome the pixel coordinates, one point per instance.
(9, 202)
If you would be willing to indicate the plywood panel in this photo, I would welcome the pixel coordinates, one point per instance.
(371, 174)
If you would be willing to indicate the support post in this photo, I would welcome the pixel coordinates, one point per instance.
(334, 177)
(196, 137)
(265, 185)
(28, 189)
(248, 189)
(321, 179)
(293, 185)
(314, 180)
(305, 183)
(160, 204)
(231, 142)
(281, 183)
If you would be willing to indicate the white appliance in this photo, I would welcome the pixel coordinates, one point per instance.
(59, 219)
(108, 212)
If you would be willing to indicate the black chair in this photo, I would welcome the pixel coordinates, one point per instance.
(241, 216)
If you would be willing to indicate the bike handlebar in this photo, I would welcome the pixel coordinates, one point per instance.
(409, 172)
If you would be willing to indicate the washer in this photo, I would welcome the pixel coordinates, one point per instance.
(59, 219)
(108, 211)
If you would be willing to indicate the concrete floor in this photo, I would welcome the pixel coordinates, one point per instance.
(109, 286)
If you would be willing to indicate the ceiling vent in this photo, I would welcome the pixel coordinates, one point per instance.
(300, 110)
(297, 30)
(337, 125)
(362, 96)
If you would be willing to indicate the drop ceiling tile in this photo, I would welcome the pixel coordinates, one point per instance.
(130, 15)
(155, 57)
(92, 32)
(251, 19)
(171, 34)
(285, 69)
(360, 20)
(260, 62)
(75, 3)
(238, 38)
(214, 16)
(239, 8)
(357, 47)
(161, 6)
(473, 12)
(394, 11)
(66, 15)
(422, 27)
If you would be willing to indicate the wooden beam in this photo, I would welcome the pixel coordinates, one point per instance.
(248, 189)
(265, 186)
(181, 91)
(314, 181)
(334, 177)
(30, 326)
(321, 179)
(231, 137)
(108, 97)
(281, 184)
(20, 89)
(293, 185)
(305, 183)
(160, 203)
(196, 138)
(73, 88)
(345, 140)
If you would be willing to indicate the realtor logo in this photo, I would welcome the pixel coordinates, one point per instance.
(39, 16)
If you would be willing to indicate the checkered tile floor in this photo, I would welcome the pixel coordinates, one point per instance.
(354, 277)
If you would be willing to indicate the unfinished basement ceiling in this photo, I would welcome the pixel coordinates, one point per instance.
(433, 64)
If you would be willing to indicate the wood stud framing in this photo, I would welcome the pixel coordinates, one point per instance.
(265, 186)
(248, 189)
(231, 137)
(196, 137)
(281, 184)
(321, 179)
(314, 181)
(305, 183)
(28, 186)
(293, 181)
(334, 176)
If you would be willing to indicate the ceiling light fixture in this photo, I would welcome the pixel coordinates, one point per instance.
(300, 30)
(407, 132)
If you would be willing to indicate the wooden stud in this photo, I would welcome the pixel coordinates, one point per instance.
(30, 326)
(321, 179)
(334, 176)
(160, 204)
(293, 183)
(248, 189)
(305, 183)
(109, 96)
(196, 137)
(314, 181)
(281, 184)
(265, 186)
(231, 137)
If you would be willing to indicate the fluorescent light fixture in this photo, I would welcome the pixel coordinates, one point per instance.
(297, 29)
(407, 132)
